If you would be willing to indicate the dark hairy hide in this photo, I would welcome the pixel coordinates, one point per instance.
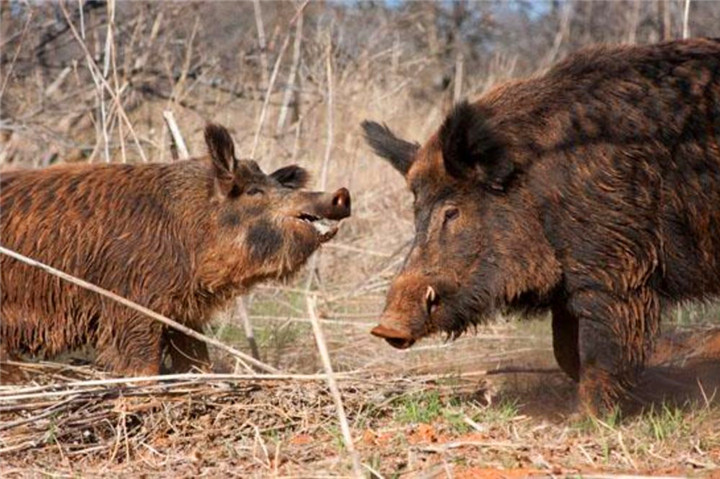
(590, 191)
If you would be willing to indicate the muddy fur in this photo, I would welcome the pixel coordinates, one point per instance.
(181, 239)
(591, 191)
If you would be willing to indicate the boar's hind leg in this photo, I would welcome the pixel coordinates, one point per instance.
(616, 333)
(186, 353)
(130, 344)
(565, 340)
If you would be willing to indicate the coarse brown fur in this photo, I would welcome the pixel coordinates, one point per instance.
(181, 239)
(591, 191)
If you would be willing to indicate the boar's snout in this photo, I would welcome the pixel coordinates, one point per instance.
(417, 306)
(397, 338)
(323, 212)
(339, 205)
(408, 312)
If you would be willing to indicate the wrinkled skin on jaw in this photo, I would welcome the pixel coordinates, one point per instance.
(472, 254)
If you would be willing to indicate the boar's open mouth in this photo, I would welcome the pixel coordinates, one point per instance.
(324, 227)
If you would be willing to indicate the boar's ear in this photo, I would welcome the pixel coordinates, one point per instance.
(291, 176)
(399, 153)
(471, 150)
(222, 152)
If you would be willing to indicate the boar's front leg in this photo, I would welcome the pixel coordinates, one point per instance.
(186, 353)
(565, 339)
(616, 334)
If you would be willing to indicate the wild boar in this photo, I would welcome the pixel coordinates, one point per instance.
(180, 238)
(591, 191)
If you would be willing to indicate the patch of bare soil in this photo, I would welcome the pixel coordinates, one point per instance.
(513, 420)
(685, 368)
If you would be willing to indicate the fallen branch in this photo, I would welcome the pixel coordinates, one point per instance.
(195, 377)
(334, 390)
(484, 444)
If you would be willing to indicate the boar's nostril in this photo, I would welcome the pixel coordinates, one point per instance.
(341, 203)
(400, 343)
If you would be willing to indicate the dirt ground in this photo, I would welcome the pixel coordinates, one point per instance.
(435, 416)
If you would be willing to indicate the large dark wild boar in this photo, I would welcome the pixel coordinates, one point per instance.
(180, 238)
(591, 191)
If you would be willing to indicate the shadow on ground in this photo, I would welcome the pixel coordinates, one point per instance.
(684, 371)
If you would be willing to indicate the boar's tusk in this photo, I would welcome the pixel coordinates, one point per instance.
(430, 295)
(430, 299)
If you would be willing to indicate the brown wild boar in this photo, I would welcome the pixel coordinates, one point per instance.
(179, 238)
(591, 191)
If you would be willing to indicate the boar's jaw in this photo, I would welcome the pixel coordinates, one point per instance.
(325, 228)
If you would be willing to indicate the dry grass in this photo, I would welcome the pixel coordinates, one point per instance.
(491, 404)
(519, 418)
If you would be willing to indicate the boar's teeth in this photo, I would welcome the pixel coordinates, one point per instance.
(324, 226)
(308, 218)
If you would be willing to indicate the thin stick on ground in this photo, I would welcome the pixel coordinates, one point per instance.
(332, 385)
(91, 386)
(247, 325)
(132, 305)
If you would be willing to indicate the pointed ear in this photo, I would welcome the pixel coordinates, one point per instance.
(399, 153)
(222, 152)
(472, 150)
(291, 176)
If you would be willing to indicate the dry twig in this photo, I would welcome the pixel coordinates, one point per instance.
(334, 390)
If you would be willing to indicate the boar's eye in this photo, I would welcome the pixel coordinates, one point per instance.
(253, 191)
(451, 214)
